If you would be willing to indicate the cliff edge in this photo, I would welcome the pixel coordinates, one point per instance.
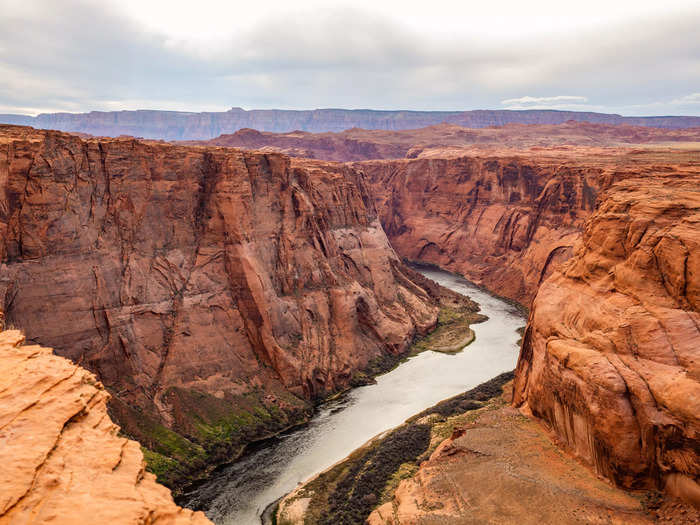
(62, 458)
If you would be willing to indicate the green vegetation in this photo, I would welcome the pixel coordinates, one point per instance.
(452, 333)
(347, 493)
(207, 430)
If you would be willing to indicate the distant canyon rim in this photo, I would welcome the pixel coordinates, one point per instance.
(217, 293)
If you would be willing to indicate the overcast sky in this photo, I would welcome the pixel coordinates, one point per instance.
(631, 57)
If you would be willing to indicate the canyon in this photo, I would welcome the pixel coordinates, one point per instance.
(609, 359)
(183, 125)
(608, 364)
(215, 293)
(218, 293)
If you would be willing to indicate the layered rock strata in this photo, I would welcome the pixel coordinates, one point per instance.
(181, 125)
(62, 459)
(611, 356)
(214, 292)
(505, 223)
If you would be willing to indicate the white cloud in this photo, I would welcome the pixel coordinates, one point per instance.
(81, 55)
(544, 101)
(693, 98)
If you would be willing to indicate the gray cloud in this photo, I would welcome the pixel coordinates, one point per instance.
(76, 56)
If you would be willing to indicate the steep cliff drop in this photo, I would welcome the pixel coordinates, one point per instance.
(214, 292)
(62, 461)
(503, 206)
(611, 356)
(504, 222)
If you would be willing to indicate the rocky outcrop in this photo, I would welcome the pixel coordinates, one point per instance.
(62, 459)
(175, 125)
(214, 292)
(611, 356)
(470, 459)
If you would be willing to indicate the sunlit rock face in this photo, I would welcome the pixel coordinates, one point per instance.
(214, 292)
(611, 356)
(62, 460)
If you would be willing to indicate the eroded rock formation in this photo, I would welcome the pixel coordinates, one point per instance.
(213, 291)
(611, 356)
(62, 460)
(502, 222)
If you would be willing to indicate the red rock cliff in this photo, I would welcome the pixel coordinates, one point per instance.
(503, 222)
(213, 291)
(611, 355)
(62, 461)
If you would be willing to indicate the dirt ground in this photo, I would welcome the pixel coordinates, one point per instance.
(502, 467)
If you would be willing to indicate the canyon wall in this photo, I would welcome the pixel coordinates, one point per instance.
(214, 292)
(62, 461)
(181, 125)
(611, 355)
(503, 222)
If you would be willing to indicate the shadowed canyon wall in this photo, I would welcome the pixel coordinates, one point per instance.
(502, 222)
(611, 356)
(214, 292)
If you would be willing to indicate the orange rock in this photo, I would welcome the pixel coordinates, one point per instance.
(504, 222)
(501, 205)
(62, 459)
(611, 356)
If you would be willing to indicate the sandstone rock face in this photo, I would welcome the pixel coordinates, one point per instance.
(502, 222)
(62, 461)
(503, 205)
(611, 356)
(174, 125)
(214, 292)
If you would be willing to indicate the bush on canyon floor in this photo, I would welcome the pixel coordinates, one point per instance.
(356, 491)
(467, 401)
(348, 492)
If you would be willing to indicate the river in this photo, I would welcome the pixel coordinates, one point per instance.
(237, 494)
